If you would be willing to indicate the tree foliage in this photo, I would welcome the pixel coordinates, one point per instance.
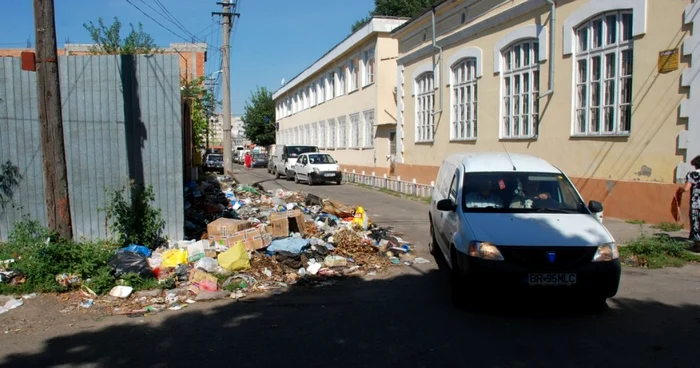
(203, 106)
(108, 40)
(259, 117)
(9, 180)
(395, 8)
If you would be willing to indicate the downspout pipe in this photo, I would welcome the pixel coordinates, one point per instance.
(435, 45)
(552, 26)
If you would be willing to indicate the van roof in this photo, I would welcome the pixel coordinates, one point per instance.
(499, 161)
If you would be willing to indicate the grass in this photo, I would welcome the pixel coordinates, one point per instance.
(636, 222)
(668, 226)
(657, 252)
(393, 193)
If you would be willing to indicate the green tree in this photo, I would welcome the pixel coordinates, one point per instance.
(9, 180)
(108, 39)
(203, 106)
(395, 8)
(259, 117)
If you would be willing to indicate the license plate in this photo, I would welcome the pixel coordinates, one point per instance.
(551, 278)
(329, 174)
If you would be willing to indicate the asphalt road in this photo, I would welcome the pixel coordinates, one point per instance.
(405, 320)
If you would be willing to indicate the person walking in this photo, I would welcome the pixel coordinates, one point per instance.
(248, 160)
(692, 185)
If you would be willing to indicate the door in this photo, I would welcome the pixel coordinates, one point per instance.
(300, 167)
(449, 220)
(392, 152)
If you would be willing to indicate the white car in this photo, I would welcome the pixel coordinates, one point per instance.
(317, 168)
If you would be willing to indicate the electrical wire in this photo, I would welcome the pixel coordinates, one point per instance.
(157, 22)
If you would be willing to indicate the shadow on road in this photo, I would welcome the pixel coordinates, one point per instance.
(406, 321)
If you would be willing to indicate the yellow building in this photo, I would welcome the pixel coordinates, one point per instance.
(344, 103)
(599, 88)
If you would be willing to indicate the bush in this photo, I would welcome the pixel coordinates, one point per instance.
(137, 222)
(40, 255)
(658, 252)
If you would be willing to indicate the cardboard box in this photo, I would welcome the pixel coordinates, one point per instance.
(226, 227)
(284, 222)
(254, 238)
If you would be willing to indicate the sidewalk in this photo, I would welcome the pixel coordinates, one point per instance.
(624, 232)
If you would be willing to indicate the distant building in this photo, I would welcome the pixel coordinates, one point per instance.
(193, 56)
(216, 130)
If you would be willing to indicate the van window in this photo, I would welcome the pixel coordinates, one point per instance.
(520, 192)
(295, 151)
(453, 189)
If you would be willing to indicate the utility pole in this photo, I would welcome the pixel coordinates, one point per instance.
(51, 118)
(227, 16)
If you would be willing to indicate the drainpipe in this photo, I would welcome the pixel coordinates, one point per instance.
(439, 63)
(552, 26)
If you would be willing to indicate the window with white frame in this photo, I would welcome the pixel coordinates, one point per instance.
(340, 75)
(332, 136)
(604, 53)
(313, 94)
(330, 88)
(322, 89)
(314, 134)
(307, 134)
(368, 129)
(464, 96)
(295, 136)
(521, 78)
(355, 130)
(322, 138)
(425, 105)
(354, 67)
(368, 59)
(307, 97)
(342, 133)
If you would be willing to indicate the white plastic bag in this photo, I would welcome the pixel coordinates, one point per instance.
(207, 264)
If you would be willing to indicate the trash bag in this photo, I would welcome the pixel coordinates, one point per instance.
(174, 257)
(140, 249)
(338, 209)
(291, 245)
(129, 262)
(207, 264)
(313, 200)
(236, 258)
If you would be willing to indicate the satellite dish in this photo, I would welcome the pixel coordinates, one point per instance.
(282, 82)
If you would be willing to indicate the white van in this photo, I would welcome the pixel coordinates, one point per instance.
(515, 222)
(285, 158)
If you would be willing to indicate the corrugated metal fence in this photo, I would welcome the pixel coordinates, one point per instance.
(122, 121)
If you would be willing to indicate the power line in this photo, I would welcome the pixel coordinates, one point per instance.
(157, 22)
(166, 18)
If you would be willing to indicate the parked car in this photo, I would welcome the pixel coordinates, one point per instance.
(317, 168)
(271, 154)
(285, 158)
(235, 154)
(516, 222)
(259, 160)
(214, 162)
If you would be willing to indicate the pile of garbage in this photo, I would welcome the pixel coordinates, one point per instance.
(244, 240)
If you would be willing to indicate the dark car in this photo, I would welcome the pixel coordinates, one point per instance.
(259, 160)
(214, 162)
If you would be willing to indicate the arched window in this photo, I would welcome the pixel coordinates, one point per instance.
(521, 84)
(425, 105)
(604, 53)
(464, 97)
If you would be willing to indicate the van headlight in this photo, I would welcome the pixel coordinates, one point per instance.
(606, 252)
(484, 250)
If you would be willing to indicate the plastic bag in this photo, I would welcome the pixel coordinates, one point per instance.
(195, 251)
(361, 218)
(207, 264)
(140, 249)
(129, 262)
(291, 245)
(236, 258)
(174, 257)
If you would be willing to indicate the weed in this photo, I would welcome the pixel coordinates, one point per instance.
(103, 280)
(40, 255)
(658, 252)
(636, 222)
(137, 222)
(669, 226)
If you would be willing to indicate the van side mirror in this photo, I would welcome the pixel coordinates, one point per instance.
(446, 205)
(595, 206)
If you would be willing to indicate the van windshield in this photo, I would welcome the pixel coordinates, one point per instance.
(295, 151)
(520, 192)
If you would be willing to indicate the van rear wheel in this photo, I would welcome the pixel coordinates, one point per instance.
(277, 174)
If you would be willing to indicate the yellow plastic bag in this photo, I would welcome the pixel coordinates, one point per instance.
(361, 218)
(235, 259)
(174, 257)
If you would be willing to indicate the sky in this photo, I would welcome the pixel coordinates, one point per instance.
(272, 39)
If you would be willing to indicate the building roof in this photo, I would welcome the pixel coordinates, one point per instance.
(500, 161)
(376, 25)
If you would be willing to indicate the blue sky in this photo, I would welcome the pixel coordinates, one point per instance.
(273, 39)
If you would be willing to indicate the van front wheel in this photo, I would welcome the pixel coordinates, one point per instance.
(458, 284)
